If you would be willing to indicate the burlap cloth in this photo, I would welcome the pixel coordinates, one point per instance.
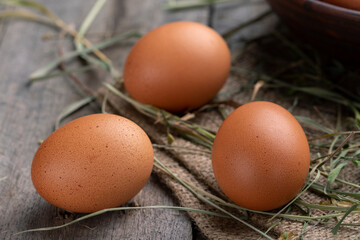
(195, 168)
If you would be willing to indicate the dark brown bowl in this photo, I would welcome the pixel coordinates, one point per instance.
(329, 28)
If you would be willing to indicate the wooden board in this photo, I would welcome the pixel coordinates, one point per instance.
(28, 113)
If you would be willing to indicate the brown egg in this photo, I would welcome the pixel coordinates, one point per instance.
(350, 4)
(94, 162)
(260, 156)
(178, 66)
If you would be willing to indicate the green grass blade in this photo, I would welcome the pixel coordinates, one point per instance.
(303, 230)
(271, 227)
(297, 196)
(357, 153)
(337, 226)
(91, 17)
(25, 15)
(3, 178)
(29, 4)
(197, 139)
(122, 95)
(42, 72)
(332, 134)
(34, 5)
(63, 73)
(83, 29)
(323, 93)
(330, 156)
(314, 124)
(341, 181)
(314, 91)
(121, 209)
(336, 194)
(73, 107)
(355, 158)
(335, 172)
(356, 114)
(337, 128)
(180, 5)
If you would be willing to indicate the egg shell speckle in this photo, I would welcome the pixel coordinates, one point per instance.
(260, 156)
(178, 66)
(94, 162)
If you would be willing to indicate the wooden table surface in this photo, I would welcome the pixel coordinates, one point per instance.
(28, 113)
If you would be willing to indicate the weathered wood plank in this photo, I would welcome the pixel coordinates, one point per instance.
(230, 15)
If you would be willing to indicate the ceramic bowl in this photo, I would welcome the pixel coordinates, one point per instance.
(329, 28)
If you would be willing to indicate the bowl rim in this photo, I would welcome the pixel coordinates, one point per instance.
(319, 6)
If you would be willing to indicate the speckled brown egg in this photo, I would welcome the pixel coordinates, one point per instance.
(178, 66)
(260, 156)
(94, 162)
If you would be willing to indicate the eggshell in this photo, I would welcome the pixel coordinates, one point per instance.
(94, 162)
(178, 66)
(260, 156)
(350, 4)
